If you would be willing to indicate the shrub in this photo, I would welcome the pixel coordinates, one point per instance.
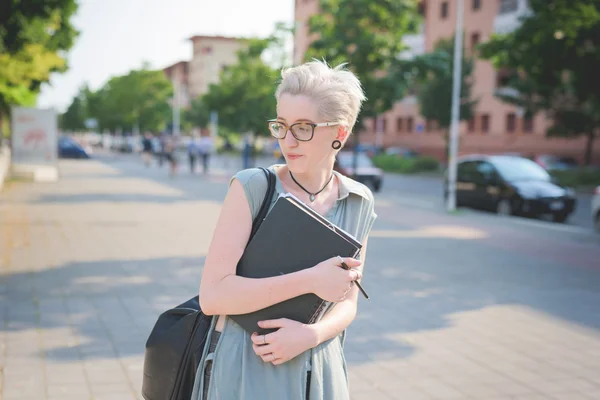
(393, 163)
(579, 177)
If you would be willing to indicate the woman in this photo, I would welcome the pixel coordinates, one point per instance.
(316, 109)
(170, 154)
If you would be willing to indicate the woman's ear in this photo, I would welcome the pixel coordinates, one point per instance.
(342, 133)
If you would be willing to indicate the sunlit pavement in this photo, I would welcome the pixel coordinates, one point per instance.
(465, 306)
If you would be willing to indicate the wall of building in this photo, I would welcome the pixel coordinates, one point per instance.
(210, 55)
(178, 74)
(303, 10)
(526, 138)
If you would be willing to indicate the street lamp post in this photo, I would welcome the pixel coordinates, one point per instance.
(452, 164)
(175, 108)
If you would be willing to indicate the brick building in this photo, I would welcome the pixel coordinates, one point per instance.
(210, 54)
(497, 126)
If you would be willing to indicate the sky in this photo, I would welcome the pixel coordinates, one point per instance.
(119, 35)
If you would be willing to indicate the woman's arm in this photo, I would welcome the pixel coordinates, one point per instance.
(222, 292)
(342, 315)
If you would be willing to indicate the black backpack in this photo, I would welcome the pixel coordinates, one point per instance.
(176, 343)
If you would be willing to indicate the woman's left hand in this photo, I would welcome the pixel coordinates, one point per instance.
(291, 339)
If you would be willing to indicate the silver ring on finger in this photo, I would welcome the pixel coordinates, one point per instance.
(264, 339)
(341, 260)
(272, 357)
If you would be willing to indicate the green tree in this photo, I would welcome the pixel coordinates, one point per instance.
(198, 115)
(25, 22)
(367, 34)
(33, 38)
(554, 56)
(74, 118)
(244, 95)
(434, 78)
(139, 98)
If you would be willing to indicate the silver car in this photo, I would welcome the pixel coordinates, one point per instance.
(596, 209)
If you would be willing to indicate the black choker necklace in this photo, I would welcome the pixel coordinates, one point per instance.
(312, 195)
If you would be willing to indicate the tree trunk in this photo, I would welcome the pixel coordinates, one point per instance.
(588, 148)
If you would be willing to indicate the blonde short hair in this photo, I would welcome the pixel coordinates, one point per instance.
(337, 91)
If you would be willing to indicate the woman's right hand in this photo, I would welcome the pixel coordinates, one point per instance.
(331, 282)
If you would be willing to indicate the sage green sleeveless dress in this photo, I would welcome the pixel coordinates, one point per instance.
(237, 372)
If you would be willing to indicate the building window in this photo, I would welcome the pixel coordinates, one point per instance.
(508, 6)
(511, 122)
(475, 37)
(421, 8)
(384, 124)
(444, 10)
(528, 125)
(399, 125)
(476, 5)
(471, 125)
(485, 123)
(409, 124)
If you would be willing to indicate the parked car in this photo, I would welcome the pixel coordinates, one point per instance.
(511, 185)
(401, 152)
(366, 172)
(69, 148)
(596, 209)
(555, 163)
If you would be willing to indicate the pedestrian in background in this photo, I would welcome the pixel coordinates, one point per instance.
(147, 149)
(170, 153)
(247, 151)
(193, 150)
(205, 149)
(317, 107)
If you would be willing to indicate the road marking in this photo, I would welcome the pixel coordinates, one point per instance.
(390, 199)
(550, 225)
(436, 231)
(401, 200)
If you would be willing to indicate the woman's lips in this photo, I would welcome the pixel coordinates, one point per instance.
(293, 156)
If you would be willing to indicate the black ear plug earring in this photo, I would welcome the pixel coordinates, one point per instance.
(336, 144)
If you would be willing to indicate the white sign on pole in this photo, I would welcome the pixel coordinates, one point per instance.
(34, 136)
(214, 124)
(34, 142)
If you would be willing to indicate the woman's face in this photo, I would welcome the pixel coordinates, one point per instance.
(303, 156)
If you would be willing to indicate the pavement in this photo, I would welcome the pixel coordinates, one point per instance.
(464, 306)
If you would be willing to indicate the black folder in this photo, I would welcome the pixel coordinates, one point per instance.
(292, 237)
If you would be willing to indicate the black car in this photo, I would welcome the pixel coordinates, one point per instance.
(68, 148)
(366, 172)
(512, 186)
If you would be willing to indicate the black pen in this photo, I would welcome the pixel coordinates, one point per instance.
(346, 267)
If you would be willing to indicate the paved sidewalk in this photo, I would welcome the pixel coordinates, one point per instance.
(88, 263)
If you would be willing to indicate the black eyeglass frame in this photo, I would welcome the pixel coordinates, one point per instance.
(289, 128)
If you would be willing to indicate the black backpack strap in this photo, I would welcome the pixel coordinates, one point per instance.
(264, 207)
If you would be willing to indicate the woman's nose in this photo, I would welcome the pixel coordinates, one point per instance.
(290, 140)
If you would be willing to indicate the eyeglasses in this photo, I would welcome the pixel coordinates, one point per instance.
(302, 131)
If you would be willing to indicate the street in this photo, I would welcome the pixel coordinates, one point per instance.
(463, 306)
(428, 190)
